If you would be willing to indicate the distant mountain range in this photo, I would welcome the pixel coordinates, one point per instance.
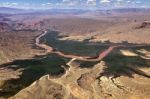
(7, 10)
(125, 10)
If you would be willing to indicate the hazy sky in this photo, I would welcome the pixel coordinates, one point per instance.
(43, 4)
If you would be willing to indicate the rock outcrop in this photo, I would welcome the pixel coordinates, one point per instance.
(87, 83)
(145, 24)
(4, 27)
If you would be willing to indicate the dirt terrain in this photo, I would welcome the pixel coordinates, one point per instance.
(80, 83)
(16, 43)
(91, 83)
(13, 46)
(35, 67)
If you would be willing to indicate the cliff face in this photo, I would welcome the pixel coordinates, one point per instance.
(87, 83)
(117, 76)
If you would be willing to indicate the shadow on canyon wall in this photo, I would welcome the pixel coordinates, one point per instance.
(117, 65)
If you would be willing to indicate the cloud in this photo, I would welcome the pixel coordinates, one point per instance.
(9, 4)
(69, 2)
(77, 4)
(104, 1)
(47, 4)
(128, 1)
(66, 0)
(138, 2)
(91, 2)
(120, 0)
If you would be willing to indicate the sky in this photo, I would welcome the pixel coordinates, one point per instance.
(82, 4)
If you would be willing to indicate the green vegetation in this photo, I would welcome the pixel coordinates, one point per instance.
(72, 47)
(135, 50)
(119, 64)
(87, 64)
(50, 64)
(34, 69)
